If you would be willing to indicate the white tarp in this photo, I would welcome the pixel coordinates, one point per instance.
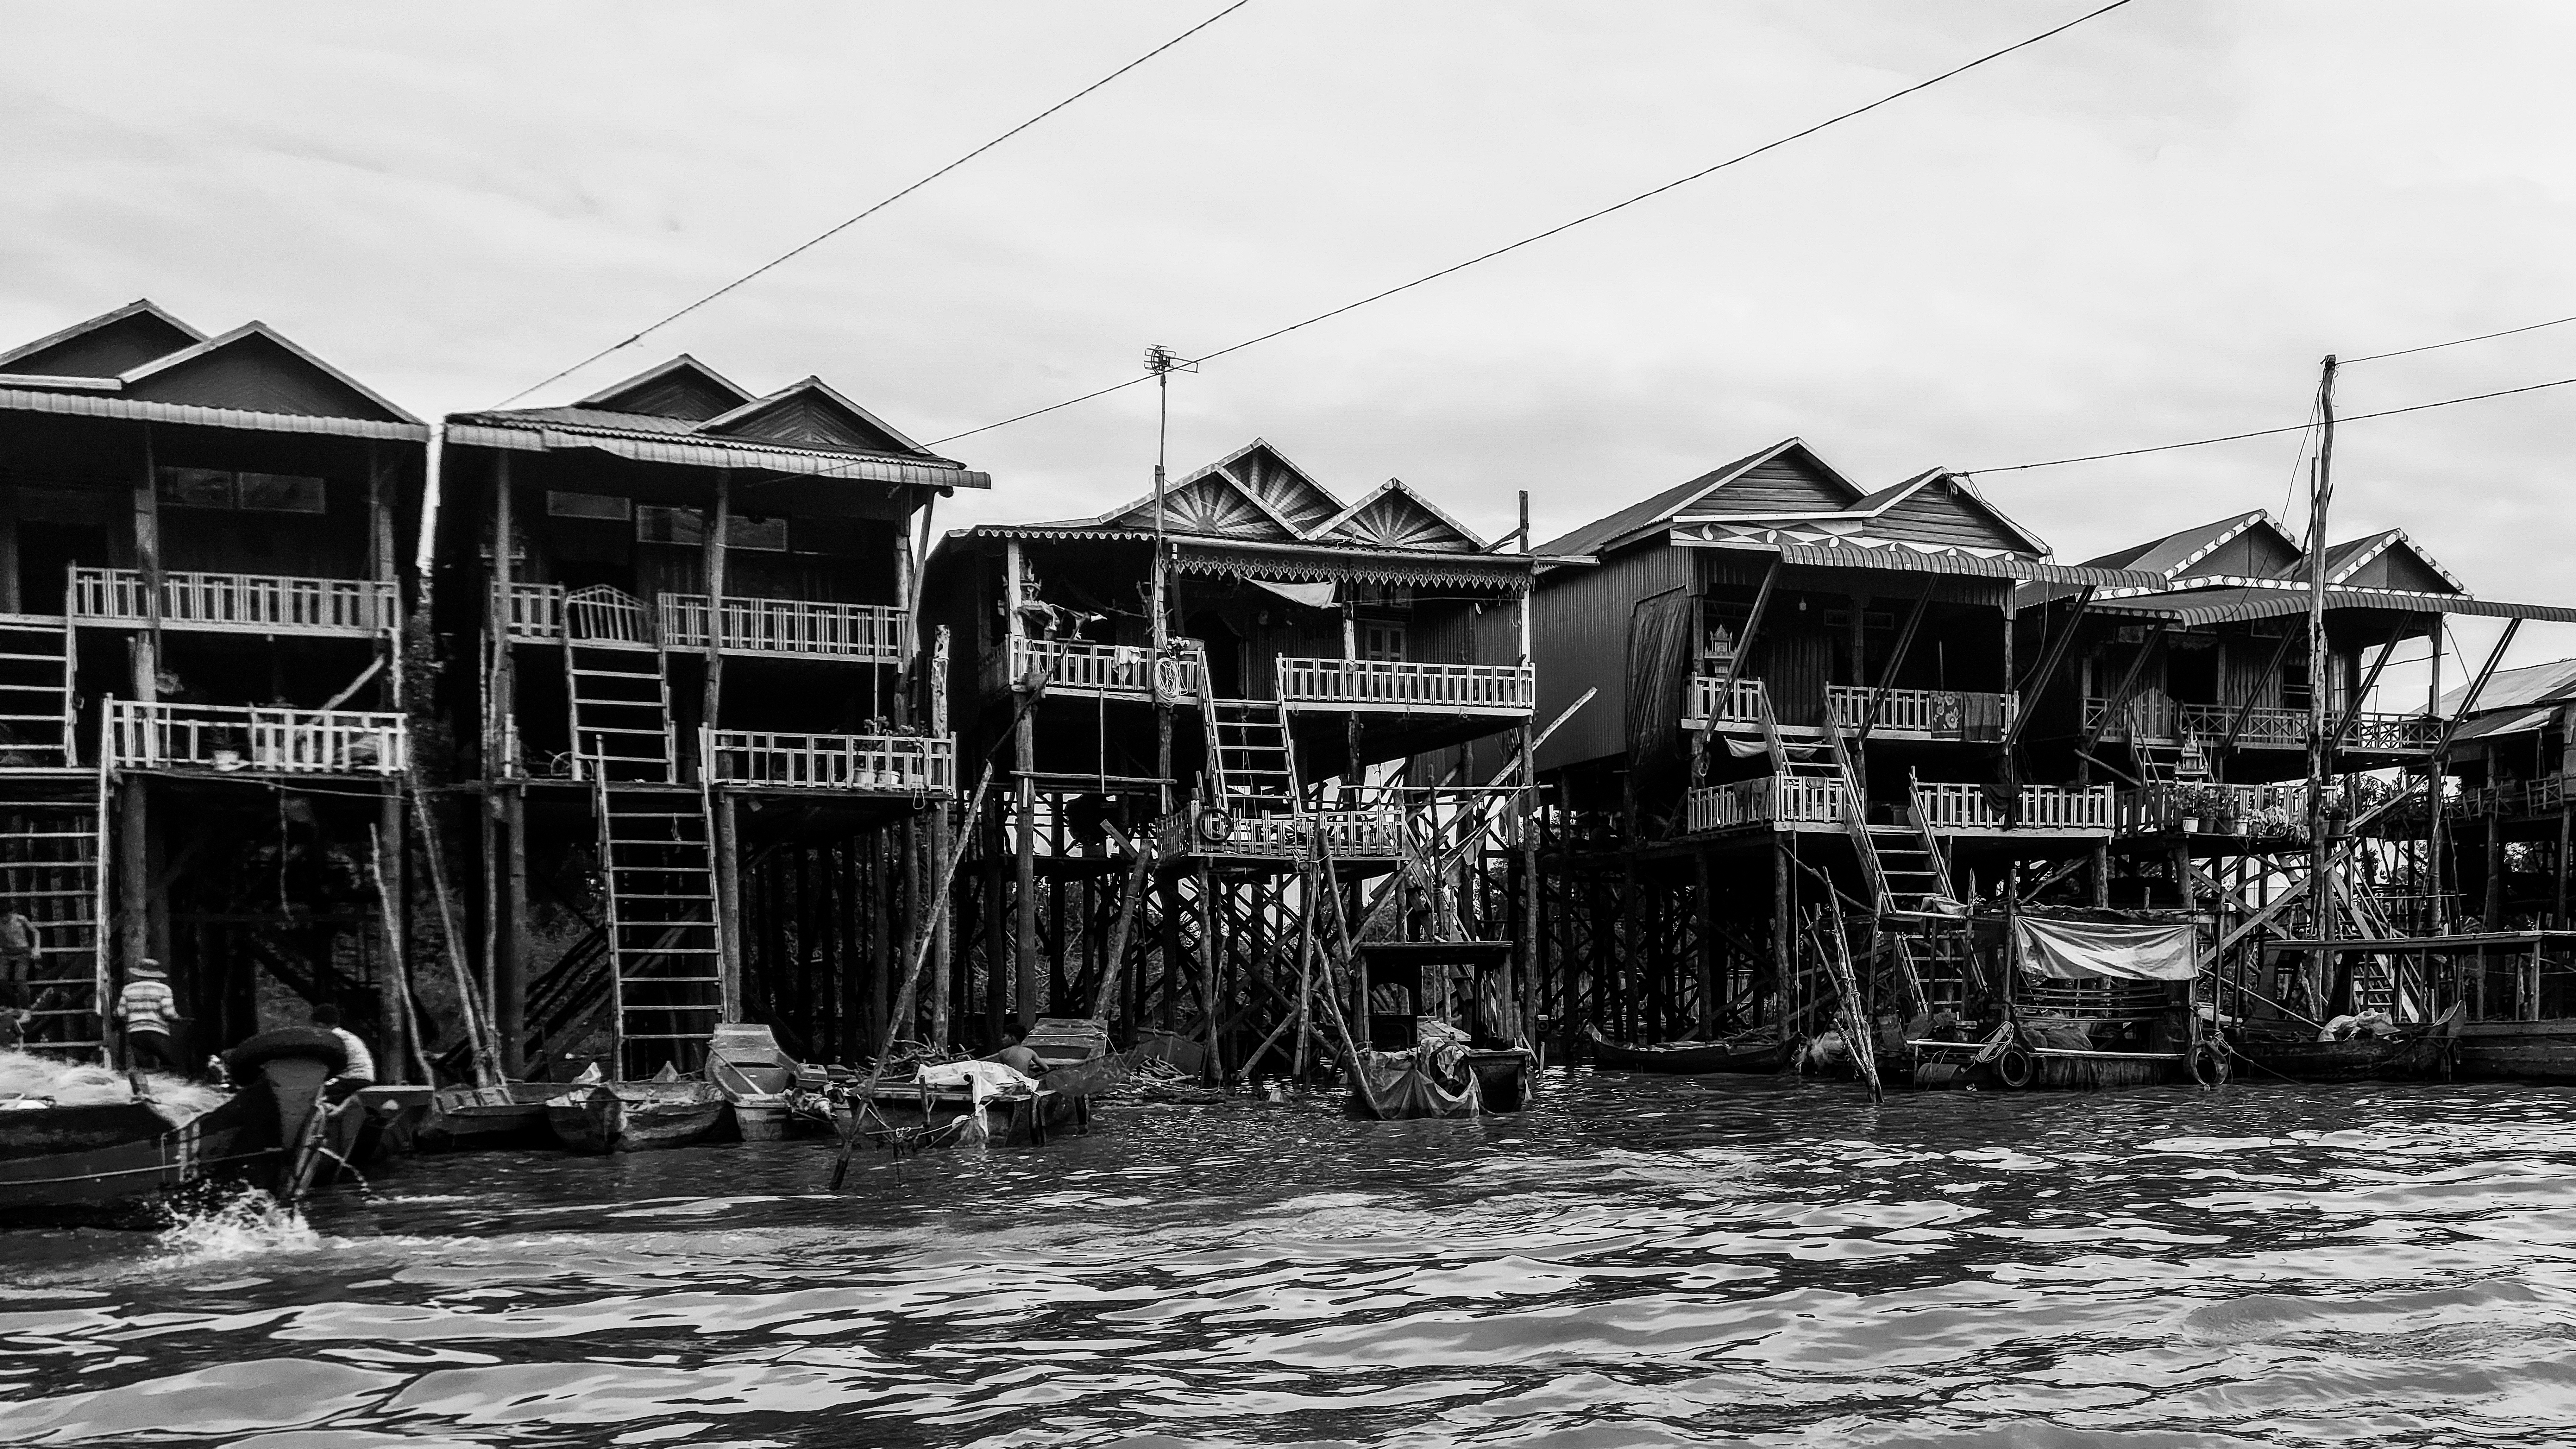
(1318, 595)
(2107, 951)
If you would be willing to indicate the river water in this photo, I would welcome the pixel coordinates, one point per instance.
(1634, 1261)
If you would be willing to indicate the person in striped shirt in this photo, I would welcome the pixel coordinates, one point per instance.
(147, 1007)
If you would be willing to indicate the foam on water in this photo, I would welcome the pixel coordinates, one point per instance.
(245, 1225)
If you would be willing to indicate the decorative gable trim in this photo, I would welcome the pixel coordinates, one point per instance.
(1394, 491)
(2381, 543)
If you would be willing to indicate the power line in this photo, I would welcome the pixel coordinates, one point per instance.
(1561, 227)
(2267, 432)
(827, 235)
(2460, 341)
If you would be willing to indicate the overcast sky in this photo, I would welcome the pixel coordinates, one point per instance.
(2148, 229)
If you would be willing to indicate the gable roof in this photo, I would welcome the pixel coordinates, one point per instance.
(256, 368)
(2400, 563)
(680, 388)
(1286, 491)
(811, 414)
(1395, 516)
(687, 414)
(2176, 554)
(107, 345)
(1638, 519)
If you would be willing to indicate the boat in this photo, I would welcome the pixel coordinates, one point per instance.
(115, 1163)
(916, 1113)
(471, 1119)
(1442, 1076)
(634, 1116)
(1752, 1051)
(2420, 1052)
(756, 1078)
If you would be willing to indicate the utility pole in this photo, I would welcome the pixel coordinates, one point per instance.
(2321, 896)
(1162, 362)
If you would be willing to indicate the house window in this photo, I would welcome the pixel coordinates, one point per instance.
(280, 493)
(561, 504)
(1381, 641)
(657, 524)
(219, 488)
(2294, 684)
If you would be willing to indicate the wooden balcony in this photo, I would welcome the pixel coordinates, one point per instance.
(2236, 812)
(913, 766)
(230, 739)
(1955, 809)
(1400, 686)
(1778, 802)
(2515, 799)
(785, 628)
(533, 612)
(236, 603)
(1348, 835)
(1923, 714)
(1105, 671)
(1717, 704)
(2165, 721)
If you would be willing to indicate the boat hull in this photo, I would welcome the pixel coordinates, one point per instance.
(1692, 1059)
(634, 1117)
(898, 1114)
(2518, 1051)
(2356, 1059)
(476, 1119)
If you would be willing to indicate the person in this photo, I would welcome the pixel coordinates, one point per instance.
(1017, 1057)
(148, 1008)
(19, 948)
(361, 1070)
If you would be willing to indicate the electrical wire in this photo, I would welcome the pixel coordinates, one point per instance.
(2268, 432)
(808, 245)
(2457, 341)
(1559, 228)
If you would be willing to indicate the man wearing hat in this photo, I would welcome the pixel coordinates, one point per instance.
(147, 1007)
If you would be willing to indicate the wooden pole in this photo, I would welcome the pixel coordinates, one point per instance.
(2320, 657)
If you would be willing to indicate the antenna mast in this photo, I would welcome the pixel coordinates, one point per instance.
(1162, 362)
(2321, 894)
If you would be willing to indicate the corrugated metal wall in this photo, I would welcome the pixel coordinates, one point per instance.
(1579, 636)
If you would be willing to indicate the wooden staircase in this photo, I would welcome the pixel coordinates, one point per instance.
(2181, 762)
(49, 872)
(37, 661)
(664, 939)
(1251, 769)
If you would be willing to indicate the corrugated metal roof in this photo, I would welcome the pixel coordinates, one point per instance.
(2505, 722)
(1598, 534)
(1906, 559)
(2225, 606)
(690, 451)
(94, 405)
(2506, 688)
(1508, 572)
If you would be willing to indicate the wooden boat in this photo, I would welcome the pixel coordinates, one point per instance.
(1395, 1086)
(2415, 1053)
(1760, 1051)
(470, 1119)
(908, 1113)
(634, 1116)
(114, 1164)
(756, 1077)
(2517, 1051)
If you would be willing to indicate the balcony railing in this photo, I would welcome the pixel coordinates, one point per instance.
(1402, 685)
(800, 628)
(1118, 671)
(1717, 703)
(1949, 807)
(913, 765)
(2165, 721)
(1347, 835)
(227, 738)
(235, 603)
(2544, 796)
(2254, 812)
(1770, 800)
(1937, 714)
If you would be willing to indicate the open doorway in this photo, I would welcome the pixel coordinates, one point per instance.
(47, 552)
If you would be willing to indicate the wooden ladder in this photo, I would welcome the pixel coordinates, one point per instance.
(1252, 769)
(37, 662)
(49, 872)
(665, 946)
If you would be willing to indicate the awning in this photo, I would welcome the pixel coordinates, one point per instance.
(2505, 722)
(1314, 596)
(1506, 573)
(2226, 606)
(709, 453)
(91, 405)
(2107, 951)
(1906, 558)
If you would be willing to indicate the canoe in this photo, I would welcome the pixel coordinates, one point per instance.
(469, 1119)
(746, 1064)
(2413, 1056)
(634, 1116)
(1746, 1052)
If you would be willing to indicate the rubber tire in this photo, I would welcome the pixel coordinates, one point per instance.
(2209, 1065)
(1214, 826)
(309, 1042)
(2016, 1068)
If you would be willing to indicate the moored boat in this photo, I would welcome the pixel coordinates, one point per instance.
(604, 1117)
(755, 1076)
(1753, 1051)
(468, 1119)
(918, 1113)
